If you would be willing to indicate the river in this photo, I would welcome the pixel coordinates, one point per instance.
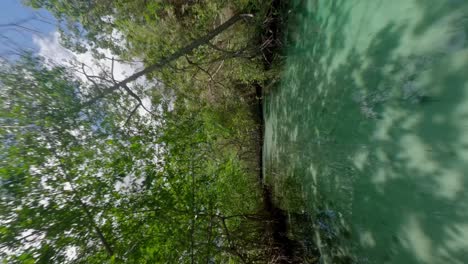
(367, 131)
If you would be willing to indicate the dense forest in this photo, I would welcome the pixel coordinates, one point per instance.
(96, 169)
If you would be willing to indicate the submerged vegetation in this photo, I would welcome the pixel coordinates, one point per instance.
(167, 170)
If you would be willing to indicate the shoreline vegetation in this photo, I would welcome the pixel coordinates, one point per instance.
(92, 175)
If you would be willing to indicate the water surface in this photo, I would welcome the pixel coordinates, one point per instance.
(370, 128)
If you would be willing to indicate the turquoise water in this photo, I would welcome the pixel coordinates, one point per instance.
(368, 130)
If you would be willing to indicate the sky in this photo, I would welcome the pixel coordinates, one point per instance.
(40, 24)
(38, 33)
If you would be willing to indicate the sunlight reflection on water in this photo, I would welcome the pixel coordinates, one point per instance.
(371, 122)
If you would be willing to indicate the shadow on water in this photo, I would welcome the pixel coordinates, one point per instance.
(368, 132)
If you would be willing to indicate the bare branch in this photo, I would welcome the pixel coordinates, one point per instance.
(134, 95)
(166, 60)
(92, 78)
(219, 68)
(17, 25)
(203, 70)
(122, 61)
(18, 22)
(211, 45)
(234, 53)
(112, 70)
(131, 114)
(88, 77)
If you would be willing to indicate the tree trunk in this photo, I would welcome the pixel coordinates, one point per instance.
(166, 60)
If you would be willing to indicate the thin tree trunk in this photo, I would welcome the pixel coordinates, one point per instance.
(96, 228)
(166, 60)
(83, 205)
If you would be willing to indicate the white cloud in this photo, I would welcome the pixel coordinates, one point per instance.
(50, 48)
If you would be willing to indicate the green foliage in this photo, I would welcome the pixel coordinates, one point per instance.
(178, 187)
(63, 172)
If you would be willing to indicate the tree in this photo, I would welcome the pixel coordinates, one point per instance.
(163, 26)
(76, 187)
(80, 177)
(166, 60)
(43, 140)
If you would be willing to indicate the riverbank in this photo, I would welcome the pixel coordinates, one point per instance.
(284, 245)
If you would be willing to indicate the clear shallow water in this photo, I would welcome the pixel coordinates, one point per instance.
(369, 127)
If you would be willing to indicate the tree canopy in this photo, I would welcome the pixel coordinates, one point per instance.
(102, 183)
